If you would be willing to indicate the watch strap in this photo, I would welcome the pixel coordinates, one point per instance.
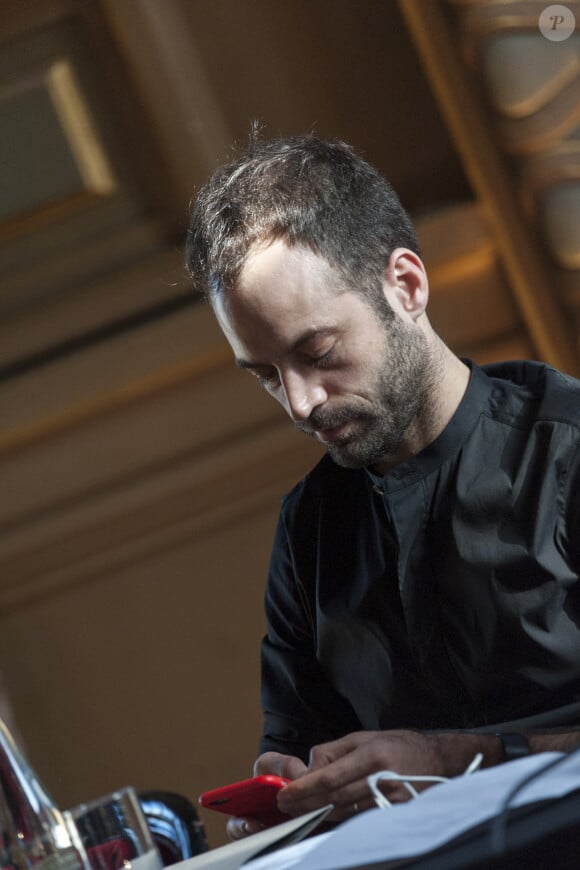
(514, 746)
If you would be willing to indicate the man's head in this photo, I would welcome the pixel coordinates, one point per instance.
(306, 191)
(313, 270)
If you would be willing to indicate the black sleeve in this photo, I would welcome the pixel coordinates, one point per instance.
(301, 708)
(572, 508)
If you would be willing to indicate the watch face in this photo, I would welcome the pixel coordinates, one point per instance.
(514, 746)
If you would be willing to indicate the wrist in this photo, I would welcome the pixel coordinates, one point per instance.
(459, 748)
(555, 740)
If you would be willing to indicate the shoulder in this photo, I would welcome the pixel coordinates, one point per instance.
(537, 390)
(543, 405)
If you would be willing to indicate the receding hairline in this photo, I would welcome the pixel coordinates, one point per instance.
(349, 282)
(257, 246)
(309, 192)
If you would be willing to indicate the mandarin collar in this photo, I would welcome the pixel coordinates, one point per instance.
(447, 442)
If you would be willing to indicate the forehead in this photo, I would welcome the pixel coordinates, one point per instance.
(281, 291)
(287, 275)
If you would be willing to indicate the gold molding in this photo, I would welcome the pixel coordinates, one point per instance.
(137, 390)
(160, 49)
(97, 178)
(529, 275)
(48, 213)
(461, 268)
(79, 129)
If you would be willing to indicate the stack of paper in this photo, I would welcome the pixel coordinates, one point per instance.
(437, 816)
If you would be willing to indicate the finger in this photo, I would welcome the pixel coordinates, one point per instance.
(348, 800)
(339, 772)
(237, 829)
(278, 764)
(326, 753)
(353, 758)
(341, 782)
(343, 800)
(344, 765)
(347, 811)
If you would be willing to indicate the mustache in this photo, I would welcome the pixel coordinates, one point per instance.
(321, 419)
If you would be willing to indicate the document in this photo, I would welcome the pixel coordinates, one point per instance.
(437, 816)
(232, 856)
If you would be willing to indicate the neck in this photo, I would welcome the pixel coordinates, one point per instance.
(447, 384)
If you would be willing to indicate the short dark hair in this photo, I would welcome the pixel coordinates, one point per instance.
(308, 191)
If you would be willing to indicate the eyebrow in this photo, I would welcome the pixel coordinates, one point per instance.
(302, 339)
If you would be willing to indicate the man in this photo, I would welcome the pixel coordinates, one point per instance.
(423, 593)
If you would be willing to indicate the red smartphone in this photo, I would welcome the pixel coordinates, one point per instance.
(249, 798)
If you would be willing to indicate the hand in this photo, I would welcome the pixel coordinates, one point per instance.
(237, 829)
(338, 770)
(270, 762)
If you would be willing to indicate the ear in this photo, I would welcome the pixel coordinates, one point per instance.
(405, 285)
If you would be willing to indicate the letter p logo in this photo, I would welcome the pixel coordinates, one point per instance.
(557, 23)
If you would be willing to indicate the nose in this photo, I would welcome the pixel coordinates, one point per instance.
(303, 393)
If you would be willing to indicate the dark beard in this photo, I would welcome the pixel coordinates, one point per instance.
(402, 397)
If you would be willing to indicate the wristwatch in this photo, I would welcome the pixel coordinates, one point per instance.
(513, 746)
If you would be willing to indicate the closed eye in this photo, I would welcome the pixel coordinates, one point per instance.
(320, 362)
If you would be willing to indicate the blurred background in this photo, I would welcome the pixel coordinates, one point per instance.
(140, 472)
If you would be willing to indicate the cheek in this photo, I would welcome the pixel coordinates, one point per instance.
(351, 376)
(344, 385)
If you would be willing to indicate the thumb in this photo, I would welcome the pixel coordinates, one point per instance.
(278, 764)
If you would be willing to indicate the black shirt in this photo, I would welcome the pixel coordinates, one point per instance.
(442, 595)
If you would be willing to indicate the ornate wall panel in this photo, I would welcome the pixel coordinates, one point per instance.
(512, 99)
(80, 201)
(533, 84)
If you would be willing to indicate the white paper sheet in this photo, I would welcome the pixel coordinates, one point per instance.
(233, 855)
(437, 816)
(291, 856)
